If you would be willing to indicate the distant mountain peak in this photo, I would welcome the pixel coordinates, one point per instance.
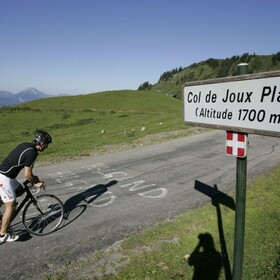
(28, 94)
(32, 90)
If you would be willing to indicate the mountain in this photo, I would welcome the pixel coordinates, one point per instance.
(5, 94)
(9, 99)
(30, 94)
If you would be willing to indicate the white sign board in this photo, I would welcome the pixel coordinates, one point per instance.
(251, 105)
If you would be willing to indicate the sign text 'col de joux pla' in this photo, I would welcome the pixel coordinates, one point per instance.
(247, 103)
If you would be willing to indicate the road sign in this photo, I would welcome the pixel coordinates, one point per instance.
(236, 144)
(246, 103)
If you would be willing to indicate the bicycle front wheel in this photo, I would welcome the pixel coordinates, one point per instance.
(43, 215)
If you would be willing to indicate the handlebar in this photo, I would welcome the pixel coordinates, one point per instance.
(30, 187)
(26, 182)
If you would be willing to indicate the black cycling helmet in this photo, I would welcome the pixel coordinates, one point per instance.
(42, 136)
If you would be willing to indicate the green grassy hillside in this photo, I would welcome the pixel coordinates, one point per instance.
(82, 124)
(171, 82)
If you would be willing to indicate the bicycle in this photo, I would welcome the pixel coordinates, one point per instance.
(42, 213)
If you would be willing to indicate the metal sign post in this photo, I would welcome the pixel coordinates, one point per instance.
(240, 204)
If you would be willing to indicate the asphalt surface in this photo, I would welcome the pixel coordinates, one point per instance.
(110, 197)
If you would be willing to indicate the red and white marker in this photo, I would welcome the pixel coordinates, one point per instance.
(236, 144)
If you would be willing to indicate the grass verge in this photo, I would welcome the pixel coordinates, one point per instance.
(170, 249)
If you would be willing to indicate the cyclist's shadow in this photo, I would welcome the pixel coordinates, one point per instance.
(76, 205)
(205, 259)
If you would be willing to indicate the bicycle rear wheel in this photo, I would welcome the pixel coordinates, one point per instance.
(43, 215)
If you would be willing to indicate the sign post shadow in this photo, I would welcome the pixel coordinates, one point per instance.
(219, 198)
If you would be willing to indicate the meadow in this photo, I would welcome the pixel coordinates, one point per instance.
(81, 125)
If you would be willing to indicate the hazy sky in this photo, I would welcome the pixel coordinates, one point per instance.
(85, 46)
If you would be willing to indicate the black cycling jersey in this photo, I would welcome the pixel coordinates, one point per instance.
(23, 155)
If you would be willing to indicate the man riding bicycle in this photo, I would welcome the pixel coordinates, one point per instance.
(22, 157)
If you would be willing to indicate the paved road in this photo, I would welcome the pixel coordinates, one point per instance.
(108, 198)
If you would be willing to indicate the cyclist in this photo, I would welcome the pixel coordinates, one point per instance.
(22, 157)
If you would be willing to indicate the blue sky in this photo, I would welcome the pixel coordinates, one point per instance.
(85, 46)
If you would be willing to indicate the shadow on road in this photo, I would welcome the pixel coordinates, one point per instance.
(75, 206)
(218, 198)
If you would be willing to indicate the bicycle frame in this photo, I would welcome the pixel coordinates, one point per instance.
(48, 214)
(28, 196)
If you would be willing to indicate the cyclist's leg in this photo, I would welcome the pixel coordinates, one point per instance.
(7, 216)
(8, 188)
(8, 196)
(1, 215)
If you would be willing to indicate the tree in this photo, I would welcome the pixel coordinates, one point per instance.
(275, 58)
(144, 86)
(213, 63)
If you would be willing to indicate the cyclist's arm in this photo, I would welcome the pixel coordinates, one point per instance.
(28, 174)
